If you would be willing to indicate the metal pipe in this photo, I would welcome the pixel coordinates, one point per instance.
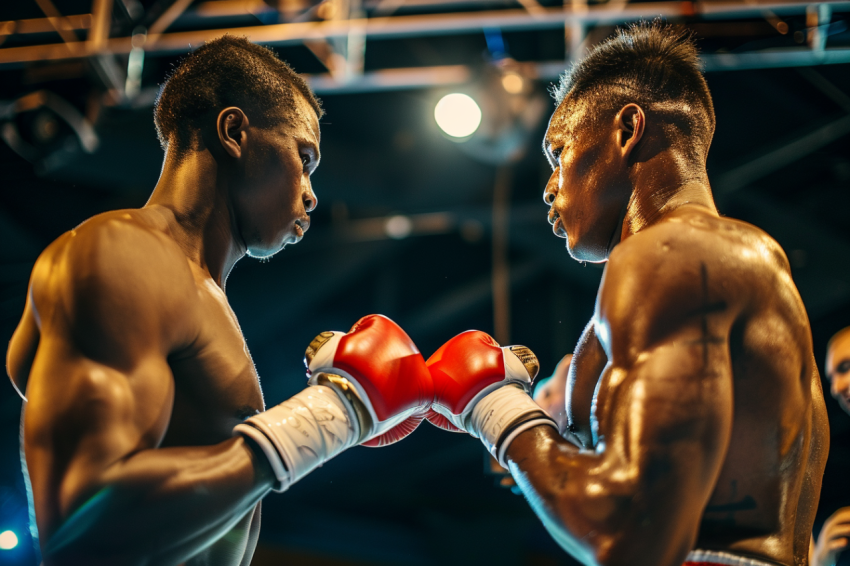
(420, 25)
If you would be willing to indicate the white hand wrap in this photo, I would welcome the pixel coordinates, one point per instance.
(303, 432)
(502, 415)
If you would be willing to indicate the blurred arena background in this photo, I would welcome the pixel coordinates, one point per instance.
(440, 233)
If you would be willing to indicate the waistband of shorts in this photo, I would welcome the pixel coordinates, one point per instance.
(720, 558)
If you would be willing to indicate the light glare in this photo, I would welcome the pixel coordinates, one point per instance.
(8, 540)
(513, 83)
(398, 227)
(457, 115)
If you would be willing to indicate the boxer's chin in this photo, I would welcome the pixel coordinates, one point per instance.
(265, 250)
(588, 252)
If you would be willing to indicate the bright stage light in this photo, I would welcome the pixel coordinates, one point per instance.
(457, 115)
(8, 540)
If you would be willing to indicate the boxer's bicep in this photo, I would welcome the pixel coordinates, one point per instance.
(84, 416)
(100, 387)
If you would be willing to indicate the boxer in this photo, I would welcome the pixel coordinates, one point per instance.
(693, 391)
(835, 534)
(135, 373)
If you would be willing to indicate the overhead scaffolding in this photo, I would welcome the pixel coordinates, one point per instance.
(340, 39)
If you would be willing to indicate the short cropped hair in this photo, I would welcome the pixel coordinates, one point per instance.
(653, 65)
(227, 71)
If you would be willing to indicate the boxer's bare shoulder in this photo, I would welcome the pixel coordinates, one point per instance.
(115, 273)
(125, 345)
(720, 290)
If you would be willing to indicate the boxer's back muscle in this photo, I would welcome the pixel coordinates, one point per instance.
(766, 494)
(120, 284)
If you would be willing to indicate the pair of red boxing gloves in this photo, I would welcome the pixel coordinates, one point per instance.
(372, 387)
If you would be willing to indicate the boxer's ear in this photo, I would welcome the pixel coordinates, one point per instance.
(232, 126)
(630, 124)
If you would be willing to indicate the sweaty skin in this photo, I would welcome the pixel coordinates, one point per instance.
(693, 390)
(135, 369)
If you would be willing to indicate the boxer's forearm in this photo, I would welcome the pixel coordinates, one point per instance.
(595, 509)
(530, 458)
(162, 505)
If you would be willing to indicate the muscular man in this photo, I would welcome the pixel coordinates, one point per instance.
(693, 392)
(135, 372)
(835, 534)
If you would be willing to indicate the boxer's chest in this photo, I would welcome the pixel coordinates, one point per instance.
(216, 385)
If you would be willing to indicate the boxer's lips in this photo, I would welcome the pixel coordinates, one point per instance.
(557, 224)
(301, 226)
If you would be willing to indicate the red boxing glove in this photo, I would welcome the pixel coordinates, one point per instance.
(482, 388)
(381, 367)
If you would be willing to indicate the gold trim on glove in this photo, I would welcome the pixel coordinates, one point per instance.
(314, 346)
(528, 359)
(348, 393)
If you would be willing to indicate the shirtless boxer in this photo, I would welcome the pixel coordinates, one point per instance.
(834, 537)
(136, 374)
(693, 392)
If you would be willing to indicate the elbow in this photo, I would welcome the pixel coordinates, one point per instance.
(618, 525)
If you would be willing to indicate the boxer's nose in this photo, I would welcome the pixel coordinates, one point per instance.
(310, 199)
(551, 190)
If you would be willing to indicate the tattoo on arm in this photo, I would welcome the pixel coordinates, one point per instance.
(706, 308)
(746, 503)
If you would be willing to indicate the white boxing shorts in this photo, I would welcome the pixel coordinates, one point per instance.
(721, 558)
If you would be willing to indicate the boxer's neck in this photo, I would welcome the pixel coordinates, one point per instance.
(662, 184)
(192, 196)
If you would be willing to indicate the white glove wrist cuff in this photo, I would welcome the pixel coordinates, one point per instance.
(502, 415)
(303, 432)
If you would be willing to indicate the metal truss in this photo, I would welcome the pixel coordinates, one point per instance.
(339, 40)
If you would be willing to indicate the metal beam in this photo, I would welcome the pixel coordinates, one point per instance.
(774, 59)
(392, 79)
(166, 19)
(102, 18)
(57, 21)
(44, 25)
(423, 77)
(419, 25)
